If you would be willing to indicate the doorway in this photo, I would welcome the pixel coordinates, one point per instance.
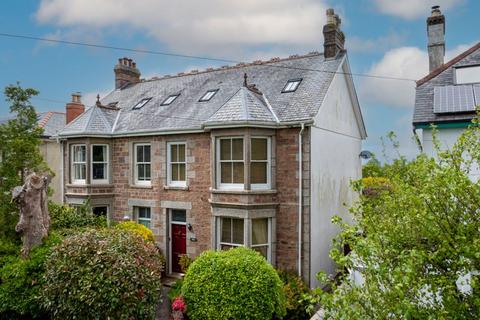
(178, 238)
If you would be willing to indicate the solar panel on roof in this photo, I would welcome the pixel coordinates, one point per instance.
(476, 92)
(449, 99)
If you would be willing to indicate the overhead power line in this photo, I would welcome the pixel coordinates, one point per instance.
(172, 54)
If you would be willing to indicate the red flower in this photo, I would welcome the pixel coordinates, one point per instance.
(179, 304)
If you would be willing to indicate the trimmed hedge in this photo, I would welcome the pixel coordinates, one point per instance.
(65, 217)
(100, 274)
(234, 284)
(138, 229)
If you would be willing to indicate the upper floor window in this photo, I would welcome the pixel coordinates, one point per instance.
(141, 103)
(79, 163)
(230, 165)
(260, 163)
(291, 85)
(176, 164)
(469, 74)
(99, 165)
(142, 164)
(170, 99)
(208, 95)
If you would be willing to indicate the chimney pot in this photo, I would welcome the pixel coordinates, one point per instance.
(126, 73)
(74, 108)
(334, 39)
(436, 38)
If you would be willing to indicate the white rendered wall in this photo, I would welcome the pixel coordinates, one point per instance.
(447, 138)
(335, 149)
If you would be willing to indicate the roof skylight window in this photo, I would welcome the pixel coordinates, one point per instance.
(140, 104)
(208, 95)
(170, 99)
(291, 85)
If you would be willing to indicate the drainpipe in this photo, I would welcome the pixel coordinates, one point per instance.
(300, 196)
(62, 162)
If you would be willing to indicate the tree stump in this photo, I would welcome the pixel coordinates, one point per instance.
(31, 199)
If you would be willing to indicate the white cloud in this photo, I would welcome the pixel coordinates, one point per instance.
(208, 26)
(412, 9)
(383, 43)
(404, 62)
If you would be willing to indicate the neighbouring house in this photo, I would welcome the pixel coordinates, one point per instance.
(447, 97)
(52, 122)
(258, 154)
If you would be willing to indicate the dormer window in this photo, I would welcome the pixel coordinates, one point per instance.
(170, 99)
(467, 74)
(208, 95)
(291, 85)
(141, 103)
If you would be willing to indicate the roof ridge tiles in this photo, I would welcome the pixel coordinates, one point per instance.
(236, 66)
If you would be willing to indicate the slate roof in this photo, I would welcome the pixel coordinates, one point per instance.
(443, 76)
(52, 122)
(230, 104)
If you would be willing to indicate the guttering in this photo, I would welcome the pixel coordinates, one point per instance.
(300, 196)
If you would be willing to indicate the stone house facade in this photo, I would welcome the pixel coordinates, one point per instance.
(220, 158)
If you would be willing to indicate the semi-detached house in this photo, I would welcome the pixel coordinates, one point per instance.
(258, 154)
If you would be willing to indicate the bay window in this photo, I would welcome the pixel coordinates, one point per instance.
(176, 164)
(260, 163)
(260, 237)
(231, 233)
(99, 163)
(231, 162)
(79, 163)
(142, 164)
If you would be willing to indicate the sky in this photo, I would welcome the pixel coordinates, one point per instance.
(383, 37)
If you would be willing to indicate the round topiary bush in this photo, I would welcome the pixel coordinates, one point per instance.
(234, 284)
(100, 274)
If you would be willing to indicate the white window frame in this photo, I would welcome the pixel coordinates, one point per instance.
(229, 186)
(171, 182)
(208, 95)
(268, 185)
(135, 165)
(136, 212)
(219, 233)
(467, 74)
(269, 238)
(73, 163)
(107, 162)
(170, 99)
(291, 85)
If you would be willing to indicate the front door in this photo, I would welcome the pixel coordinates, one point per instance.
(178, 231)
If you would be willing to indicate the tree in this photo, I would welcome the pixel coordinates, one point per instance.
(416, 243)
(19, 150)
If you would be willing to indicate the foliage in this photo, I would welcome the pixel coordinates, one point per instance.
(175, 290)
(414, 245)
(66, 217)
(234, 284)
(295, 290)
(7, 248)
(19, 151)
(185, 261)
(138, 229)
(21, 280)
(100, 274)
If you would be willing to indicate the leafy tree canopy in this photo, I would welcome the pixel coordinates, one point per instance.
(415, 244)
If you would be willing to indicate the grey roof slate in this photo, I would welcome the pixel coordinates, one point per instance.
(52, 122)
(424, 95)
(187, 112)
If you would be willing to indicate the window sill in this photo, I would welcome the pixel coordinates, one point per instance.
(230, 191)
(141, 186)
(84, 185)
(182, 188)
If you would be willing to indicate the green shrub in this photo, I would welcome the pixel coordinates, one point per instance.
(234, 284)
(138, 229)
(65, 217)
(21, 280)
(100, 274)
(295, 290)
(175, 290)
(185, 261)
(7, 249)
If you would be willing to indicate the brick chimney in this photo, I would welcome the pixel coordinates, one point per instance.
(75, 107)
(334, 39)
(436, 38)
(126, 72)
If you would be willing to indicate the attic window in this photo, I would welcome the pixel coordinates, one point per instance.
(208, 95)
(140, 104)
(470, 74)
(170, 99)
(291, 85)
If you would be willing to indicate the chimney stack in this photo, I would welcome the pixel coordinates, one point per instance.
(126, 73)
(334, 39)
(436, 38)
(75, 107)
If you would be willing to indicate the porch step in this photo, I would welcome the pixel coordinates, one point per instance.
(169, 280)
